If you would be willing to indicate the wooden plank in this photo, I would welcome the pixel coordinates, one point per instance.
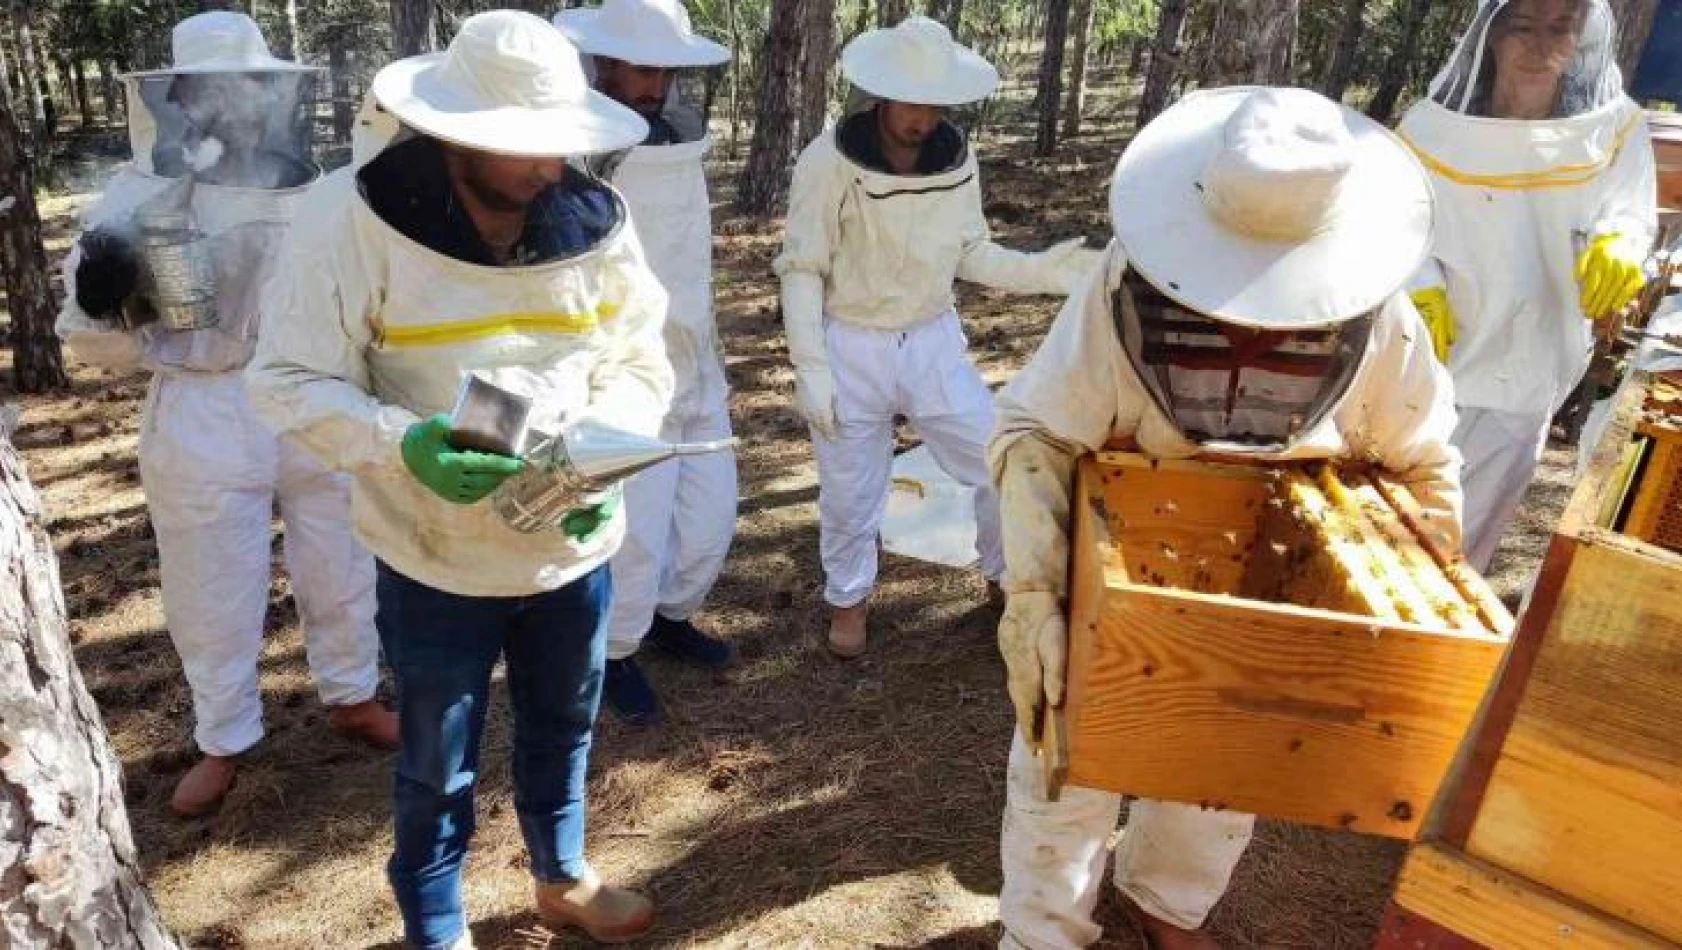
(1179, 524)
(1488, 906)
(1653, 494)
(1293, 713)
(1586, 796)
(1402, 929)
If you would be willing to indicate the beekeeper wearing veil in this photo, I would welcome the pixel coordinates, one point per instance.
(1545, 213)
(169, 275)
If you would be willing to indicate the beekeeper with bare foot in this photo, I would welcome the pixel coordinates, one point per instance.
(1251, 304)
(169, 275)
(1546, 209)
(884, 213)
(469, 248)
(682, 514)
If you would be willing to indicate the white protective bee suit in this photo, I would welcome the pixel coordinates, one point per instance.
(378, 332)
(212, 472)
(867, 267)
(1143, 360)
(1517, 203)
(681, 513)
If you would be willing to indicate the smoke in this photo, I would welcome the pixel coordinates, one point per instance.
(244, 129)
(203, 157)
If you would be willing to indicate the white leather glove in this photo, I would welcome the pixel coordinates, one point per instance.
(1067, 263)
(1034, 640)
(814, 385)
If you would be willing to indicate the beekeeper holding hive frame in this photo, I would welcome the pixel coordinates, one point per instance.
(884, 213)
(470, 246)
(1546, 210)
(682, 514)
(213, 474)
(1251, 303)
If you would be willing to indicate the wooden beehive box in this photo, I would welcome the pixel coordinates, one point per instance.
(1650, 506)
(1181, 690)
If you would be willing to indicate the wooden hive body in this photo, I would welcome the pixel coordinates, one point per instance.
(1179, 690)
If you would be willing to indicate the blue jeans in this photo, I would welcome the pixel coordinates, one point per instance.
(441, 648)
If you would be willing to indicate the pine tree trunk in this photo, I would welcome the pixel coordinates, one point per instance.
(69, 878)
(414, 27)
(735, 77)
(1050, 92)
(294, 37)
(31, 109)
(82, 98)
(764, 180)
(951, 13)
(1253, 43)
(1395, 76)
(817, 57)
(1340, 68)
(890, 12)
(344, 110)
(5, 64)
(111, 91)
(1635, 26)
(1074, 104)
(1165, 59)
(37, 364)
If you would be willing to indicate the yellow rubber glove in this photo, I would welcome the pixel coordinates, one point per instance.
(1432, 304)
(1608, 275)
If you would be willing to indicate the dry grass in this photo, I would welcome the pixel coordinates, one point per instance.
(790, 802)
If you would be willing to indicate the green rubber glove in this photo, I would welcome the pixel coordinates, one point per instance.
(583, 524)
(455, 476)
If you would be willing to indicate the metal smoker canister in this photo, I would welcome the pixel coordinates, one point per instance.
(586, 457)
(183, 275)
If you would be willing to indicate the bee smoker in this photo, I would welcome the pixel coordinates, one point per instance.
(180, 273)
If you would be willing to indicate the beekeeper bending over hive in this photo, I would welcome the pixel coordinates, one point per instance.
(1251, 303)
(682, 513)
(1545, 212)
(169, 276)
(884, 212)
(469, 246)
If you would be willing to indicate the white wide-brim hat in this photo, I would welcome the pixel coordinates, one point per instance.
(641, 32)
(1271, 208)
(509, 83)
(918, 62)
(221, 41)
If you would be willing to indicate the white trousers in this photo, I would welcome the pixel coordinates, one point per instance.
(213, 474)
(1173, 860)
(681, 517)
(1500, 450)
(925, 375)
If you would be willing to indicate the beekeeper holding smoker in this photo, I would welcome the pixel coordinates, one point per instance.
(884, 213)
(1546, 211)
(1251, 304)
(470, 247)
(682, 514)
(169, 275)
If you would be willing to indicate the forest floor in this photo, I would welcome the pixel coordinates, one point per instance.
(791, 801)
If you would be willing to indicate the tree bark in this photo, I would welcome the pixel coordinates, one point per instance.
(37, 364)
(735, 76)
(1253, 43)
(1340, 68)
(1394, 79)
(82, 98)
(764, 180)
(294, 37)
(32, 111)
(5, 64)
(414, 27)
(890, 12)
(951, 13)
(1074, 104)
(1050, 91)
(816, 57)
(111, 91)
(1635, 26)
(69, 878)
(1165, 60)
(344, 110)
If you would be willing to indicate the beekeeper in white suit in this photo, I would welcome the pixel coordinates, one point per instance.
(212, 471)
(1545, 213)
(682, 513)
(471, 244)
(884, 213)
(1250, 304)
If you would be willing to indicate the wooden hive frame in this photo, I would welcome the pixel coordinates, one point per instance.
(1561, 822)
(1179, 691)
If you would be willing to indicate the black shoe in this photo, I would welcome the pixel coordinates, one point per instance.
(682, 640)
(628, 693)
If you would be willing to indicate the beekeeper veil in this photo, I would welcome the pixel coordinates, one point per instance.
(225, 109)
(1265, 230)
(1575, 38)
